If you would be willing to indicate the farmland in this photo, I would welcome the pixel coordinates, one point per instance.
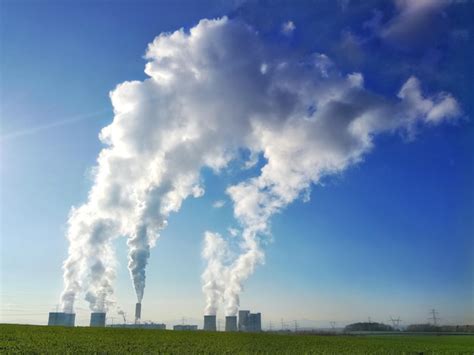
(40, 339)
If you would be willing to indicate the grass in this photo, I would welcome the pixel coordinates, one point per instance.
(41, 339)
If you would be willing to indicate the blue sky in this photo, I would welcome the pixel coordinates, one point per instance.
(390, 235)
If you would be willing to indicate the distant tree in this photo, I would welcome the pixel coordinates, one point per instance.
(368, 327)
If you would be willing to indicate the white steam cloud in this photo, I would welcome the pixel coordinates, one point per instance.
(212, 93)
(215, 254)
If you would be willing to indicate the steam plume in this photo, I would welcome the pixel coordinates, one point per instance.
(212, 93)
(214, 252)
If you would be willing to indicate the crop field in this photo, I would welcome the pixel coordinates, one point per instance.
(41, 339)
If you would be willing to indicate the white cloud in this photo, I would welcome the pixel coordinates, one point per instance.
(434, 109)
(218, 204)
(205, 100)
(288, 27)
(234, 232)
(412, 21)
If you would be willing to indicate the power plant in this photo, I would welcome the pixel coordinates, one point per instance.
(245, 322)
(62, 319)
(210, 323)
(231, 323)
(97, 319)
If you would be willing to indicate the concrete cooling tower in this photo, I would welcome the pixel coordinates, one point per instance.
(231, 323)
(62, 319)
(210, 323)
(97, 319)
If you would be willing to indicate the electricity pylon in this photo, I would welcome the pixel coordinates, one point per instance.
(434, 316)
(395, 322)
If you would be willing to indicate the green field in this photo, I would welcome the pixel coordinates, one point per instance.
(41, 339)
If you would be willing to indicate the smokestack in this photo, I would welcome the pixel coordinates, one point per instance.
(138, 312)
(210, 323)
(231, 323)
(97, 319)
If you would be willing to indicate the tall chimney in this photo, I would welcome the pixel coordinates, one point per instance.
(210, 323)
(138, 312)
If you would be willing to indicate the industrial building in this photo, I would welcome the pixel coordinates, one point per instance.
(185, 327)
(249, 322)
(210, 323)
(97, 319)
(159, 326)
(62, 319)
(231, 323)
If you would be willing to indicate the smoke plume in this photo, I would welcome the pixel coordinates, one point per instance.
(211, 94)
(215, 254)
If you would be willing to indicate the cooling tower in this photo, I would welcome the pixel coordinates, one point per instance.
(231, 323)
(62, 319)
(254, 322)
(243, 320)
(69, 319)
(138, 312)
(97, 319)
(210, 323)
